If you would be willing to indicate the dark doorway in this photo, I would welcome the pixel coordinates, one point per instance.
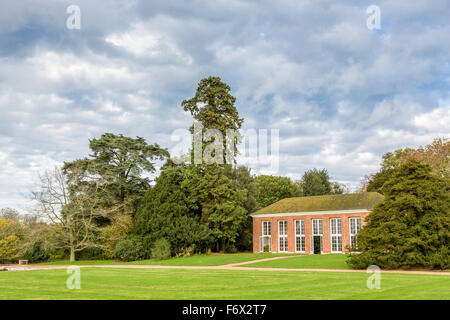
(317, 240)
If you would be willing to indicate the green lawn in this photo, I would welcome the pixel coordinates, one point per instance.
(97, 283)
(195, 260)
(315, 261)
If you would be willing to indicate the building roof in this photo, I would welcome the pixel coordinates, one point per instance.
(351, 201)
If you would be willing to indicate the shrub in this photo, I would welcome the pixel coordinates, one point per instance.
(130, 248)
(439, 259)
(186, 252)
(36, 253)
(9, 248)
(266, 248)
(57, 254)
(161, 249)
(165, 212)
(92, 253)
(231, 249)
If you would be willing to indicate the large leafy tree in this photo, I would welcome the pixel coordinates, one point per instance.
(218, 200)
(11, 233)
(411, 227)
(274, 188)
(213, 106)
(124, 163)
(244, 180)
(213, 195)
(166, 213)
(392, 160)
(375, 182)
(436, 155)
(316, 182)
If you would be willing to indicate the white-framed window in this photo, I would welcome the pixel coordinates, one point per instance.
(266, 228)
(317, 227)
(355, 227)
(265, 239)
(336, 235)
(282, 236)
(299, 235)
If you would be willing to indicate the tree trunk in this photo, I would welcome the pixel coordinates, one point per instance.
(223, 245)
(72, 254)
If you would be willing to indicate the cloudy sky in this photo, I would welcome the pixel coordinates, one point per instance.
(340, 94)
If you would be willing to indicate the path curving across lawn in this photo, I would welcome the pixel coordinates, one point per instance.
(195, 260)
(314, 261)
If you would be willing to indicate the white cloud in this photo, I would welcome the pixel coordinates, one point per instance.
(437, 121)
(142, 40)
(340, 94)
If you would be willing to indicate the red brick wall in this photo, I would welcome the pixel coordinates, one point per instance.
(326, 238)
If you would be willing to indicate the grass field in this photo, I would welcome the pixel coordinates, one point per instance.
(324, 261)
(195, 260)
(97, 283)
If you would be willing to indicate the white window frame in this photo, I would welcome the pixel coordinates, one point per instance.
(336, 235)
(282, 236)
(314, 233)
(357, 226)
(300, 234)
(266, 234)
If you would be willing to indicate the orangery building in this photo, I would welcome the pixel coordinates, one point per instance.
(312, 225)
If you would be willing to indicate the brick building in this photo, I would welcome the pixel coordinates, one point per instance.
(318, 224)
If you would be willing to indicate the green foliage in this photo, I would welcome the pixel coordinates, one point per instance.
(316, 183)
(9, 248)
(392, 160)
(411, 227)
(165, 213)
(436, 155)
(188, 206)
(10, 227)
(161, 249)
(36, 253)
(232, 249)
(186, 252)
(130, 248)
(91, 253)
(244, 180)
(222, 205)
(274, 188)
(10, 239)
(213, 106)
(121, 162)
(338, 188)
(377, 180)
